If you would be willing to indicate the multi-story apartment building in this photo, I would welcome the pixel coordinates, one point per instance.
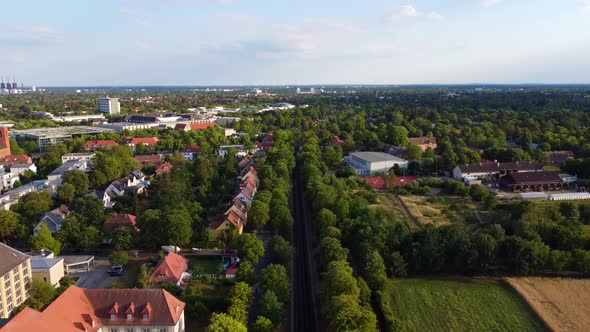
(15, 279)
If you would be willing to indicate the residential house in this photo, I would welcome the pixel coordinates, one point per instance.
(53, 219)
(48, 269)
(240, 208)
(266, 143)
(107, 198)
(336, 141)
(99, 144)
(194, 126)
(246, 162)
(133, 142)
(171, 268)
(7, 180)
(245, 196)
(229, 132)
(54, 179)
(423, 142)
(226, 221)
(240, 150)
(104, 310)
(556, 158)
(494, 170)
(87, 156)
(134, 182)
(191, 152)
(120, 220)
(13, 159)
(249, 185)
(19, 169)
(164, 167)
(15, 279)
(12, 196)
(251, 173)
(148, 160)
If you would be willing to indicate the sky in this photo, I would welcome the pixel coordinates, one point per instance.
(263, 42)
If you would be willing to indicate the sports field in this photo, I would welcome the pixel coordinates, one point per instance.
(457, 305)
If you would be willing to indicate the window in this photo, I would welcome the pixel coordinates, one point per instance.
(45, 279)
(129, 316)
(113, 317)
(146, 330)
(6, 277)
(18, 292)
(146, 316)
(18, 300)
(163, 330)
(114, 330)
(6, 284)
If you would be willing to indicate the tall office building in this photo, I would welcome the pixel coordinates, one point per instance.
(109, 105)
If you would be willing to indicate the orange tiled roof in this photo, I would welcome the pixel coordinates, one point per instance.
(120, 220)
(77, 309)
(149, 141)
(100, 143)
(169, 269)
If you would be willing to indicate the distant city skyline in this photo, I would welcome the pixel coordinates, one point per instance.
(276, 42)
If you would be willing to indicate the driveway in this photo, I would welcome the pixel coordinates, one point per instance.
(97, 277)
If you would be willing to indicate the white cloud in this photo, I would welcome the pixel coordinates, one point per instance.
(411, 12)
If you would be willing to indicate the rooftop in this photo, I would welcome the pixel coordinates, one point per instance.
(42, 263)
(373, 157)
(49, 132)
(10, 258)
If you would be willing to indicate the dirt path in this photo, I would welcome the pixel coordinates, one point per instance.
(564, 304)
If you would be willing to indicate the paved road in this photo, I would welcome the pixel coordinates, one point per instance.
(97, 277)
(304, 315)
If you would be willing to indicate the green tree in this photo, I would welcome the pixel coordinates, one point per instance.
(331, 250)
(10, 225)
(271, 307)
(375, 270)
(240, 299)
(66, 193)
(338, 280)
(119, 258)
(78, 179)
(122, 238)
(225, 323)
(44, 240)
(179, 226)
(279, 250)
(396, 265)
(274, 277)
(365, 292)
(42, 294)
(32, 205)
(91, 209)
(413, 152)
(250, 247)
(143, 277)
(258, 214)
(263, 324)
(569, 210)
(245, 272)
(347, 315)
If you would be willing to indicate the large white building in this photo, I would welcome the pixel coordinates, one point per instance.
(109, 105)
(369, 162)
(15, 279)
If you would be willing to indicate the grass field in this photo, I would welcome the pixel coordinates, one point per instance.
(443, 210)
(391, 206)
(458, 305)
(562, 303)
(206, 265)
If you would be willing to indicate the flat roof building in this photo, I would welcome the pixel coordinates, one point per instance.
(370, 162)
(48, 136)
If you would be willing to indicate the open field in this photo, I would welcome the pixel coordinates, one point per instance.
(562, 303)
(444, 210)
(206, 265)
(458, 305)
(391, 206)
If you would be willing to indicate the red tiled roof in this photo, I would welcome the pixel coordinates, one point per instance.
(120, 220)
(76, 310)
(165, 167)
(336, 141)
(13, 159)
(148, 141)
(422, 140)
(169, 269)
(194, 126)
(97, 144)
(194, 148)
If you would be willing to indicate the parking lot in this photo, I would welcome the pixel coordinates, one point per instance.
(97, 277)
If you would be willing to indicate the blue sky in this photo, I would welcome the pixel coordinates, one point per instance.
(206, 42)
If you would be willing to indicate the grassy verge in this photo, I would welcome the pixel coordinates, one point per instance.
(455, 305)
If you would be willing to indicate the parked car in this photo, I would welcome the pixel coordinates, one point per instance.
(116, 270)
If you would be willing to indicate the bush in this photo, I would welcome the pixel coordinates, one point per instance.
(119, 258)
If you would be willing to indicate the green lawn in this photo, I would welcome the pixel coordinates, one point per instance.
(457, 305)
(207, 265)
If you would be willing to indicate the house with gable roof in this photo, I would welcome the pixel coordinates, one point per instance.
(171, 268)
